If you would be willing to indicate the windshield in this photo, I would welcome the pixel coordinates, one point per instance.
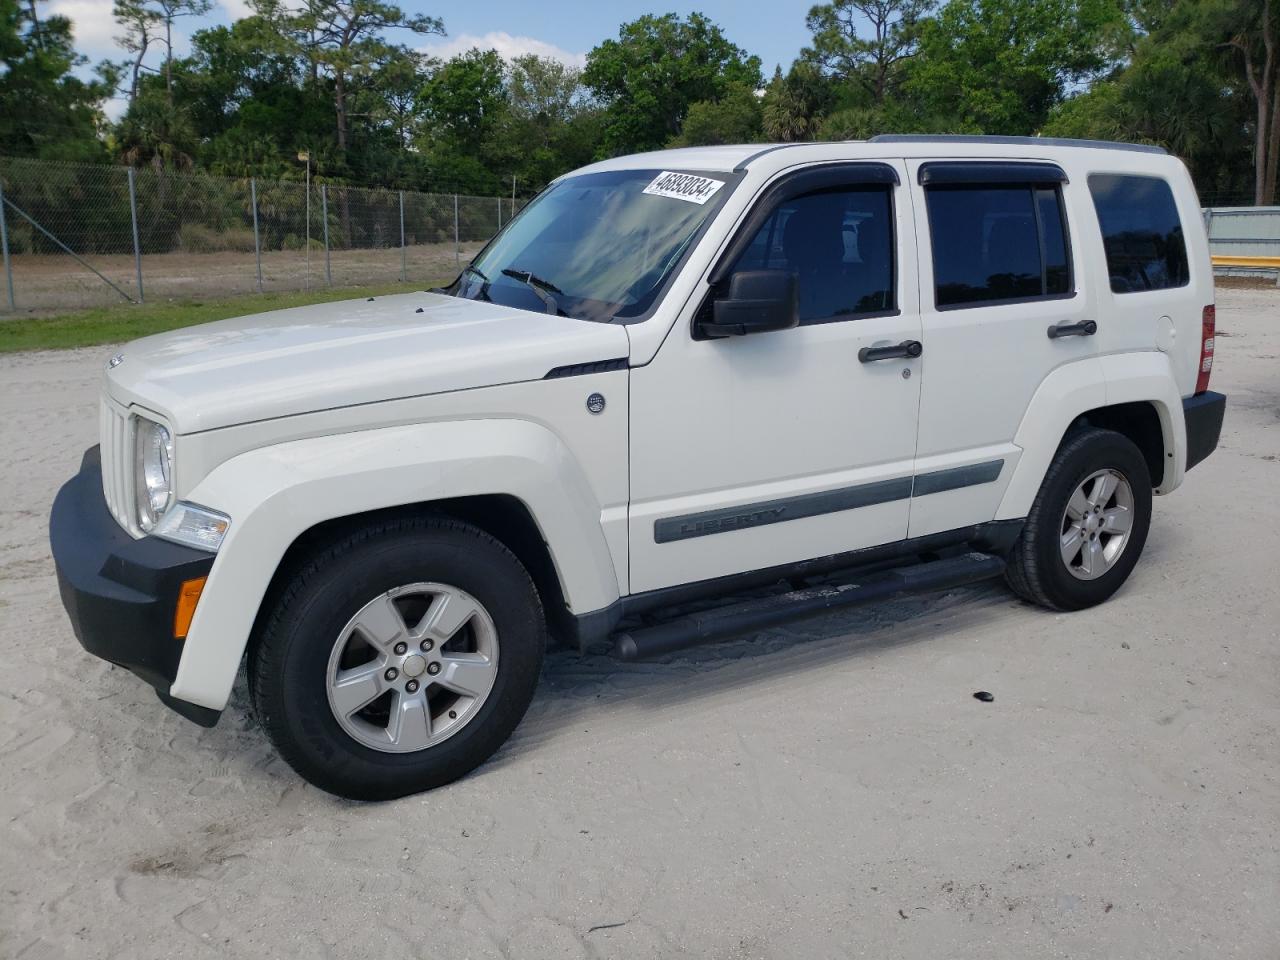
(595, 246)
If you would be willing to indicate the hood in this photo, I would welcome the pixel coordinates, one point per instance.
(340, 354)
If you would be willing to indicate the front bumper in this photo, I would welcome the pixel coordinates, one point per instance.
(120, 593)
(1203, 415)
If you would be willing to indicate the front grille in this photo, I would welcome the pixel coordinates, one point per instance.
(116, 437)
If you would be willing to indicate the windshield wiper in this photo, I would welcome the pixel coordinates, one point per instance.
(543, 288)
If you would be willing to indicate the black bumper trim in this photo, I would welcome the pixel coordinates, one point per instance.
(1203, 415)
(120, 592)
(204, 716)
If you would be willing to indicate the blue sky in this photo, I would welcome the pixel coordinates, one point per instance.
(566, 29)
(773, 31)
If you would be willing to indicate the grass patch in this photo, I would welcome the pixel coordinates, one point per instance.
(88, 328)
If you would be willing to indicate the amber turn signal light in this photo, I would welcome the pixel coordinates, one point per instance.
(188, 597)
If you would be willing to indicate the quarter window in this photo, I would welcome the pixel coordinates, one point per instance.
(1141, 232)
(997, 243)
(839, 243)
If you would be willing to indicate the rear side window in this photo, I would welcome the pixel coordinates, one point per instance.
(839, 244)
(998, 243)
(1141, 232)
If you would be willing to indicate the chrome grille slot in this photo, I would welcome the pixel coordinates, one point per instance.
(116, 457)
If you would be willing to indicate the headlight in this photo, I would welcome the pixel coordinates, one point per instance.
(194, 526)
(153, 471)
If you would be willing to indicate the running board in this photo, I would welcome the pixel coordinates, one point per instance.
(706, 626)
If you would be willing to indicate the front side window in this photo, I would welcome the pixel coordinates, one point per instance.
(838, 243)
(997, 243)
(596, 246)
(1141, 232)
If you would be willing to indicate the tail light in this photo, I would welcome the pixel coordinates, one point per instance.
(1208, 323)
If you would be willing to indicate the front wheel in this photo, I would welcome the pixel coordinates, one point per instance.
(1088, 525)
(399, 658)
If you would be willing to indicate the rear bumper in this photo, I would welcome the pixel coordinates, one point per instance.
(120, 593)
(1203, 415)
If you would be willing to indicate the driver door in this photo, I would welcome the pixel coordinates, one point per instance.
(756, 451)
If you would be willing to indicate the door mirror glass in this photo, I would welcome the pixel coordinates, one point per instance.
(758, 301)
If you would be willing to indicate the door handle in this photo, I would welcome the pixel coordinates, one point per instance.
(1086, 329)
(908, 349)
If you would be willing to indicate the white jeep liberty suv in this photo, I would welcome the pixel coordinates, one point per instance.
(857, 369)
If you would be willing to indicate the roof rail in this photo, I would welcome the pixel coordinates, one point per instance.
(1017, 141)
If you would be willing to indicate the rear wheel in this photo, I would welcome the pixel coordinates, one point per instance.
(399, 658)
(1088, 525)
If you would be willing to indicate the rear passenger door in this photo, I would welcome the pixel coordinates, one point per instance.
(996, 272)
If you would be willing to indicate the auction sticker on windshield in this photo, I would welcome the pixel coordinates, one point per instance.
(683, 186)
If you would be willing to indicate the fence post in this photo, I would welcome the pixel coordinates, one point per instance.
(499, 213)
(457, 249)
(307, 188)
(137, 247)
(257, 244)
(404, 271)
(324, 213)
(4, 246)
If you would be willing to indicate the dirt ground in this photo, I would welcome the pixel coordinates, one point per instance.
(49, 283)
(831, 789)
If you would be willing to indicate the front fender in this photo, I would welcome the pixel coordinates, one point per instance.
(275, 494)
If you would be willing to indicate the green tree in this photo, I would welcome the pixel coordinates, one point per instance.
(166, 12)
(1177, 85)
(465, 98)
(394, 93)
(463, 105)
(47, 111)
(1249, 30)
(252, 105)
(656, 69)
(552, 123)
(543, 88)
(343, 40)
(139, 31)
(874, 61)
(147, 22)
(794, 104)
(1000, 66)
(155, 132)
(734, 118)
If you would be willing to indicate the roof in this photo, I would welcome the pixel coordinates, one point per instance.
(724, 158)
(945, 138)
(740, 156)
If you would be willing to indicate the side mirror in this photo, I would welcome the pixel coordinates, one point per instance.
(758, 301)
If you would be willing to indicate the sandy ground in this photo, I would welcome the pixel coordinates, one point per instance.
(49, 283)
(828, 790)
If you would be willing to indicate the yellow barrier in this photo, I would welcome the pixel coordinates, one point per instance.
(1263, 263)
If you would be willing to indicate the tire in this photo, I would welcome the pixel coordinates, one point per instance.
(1038, 571)
(301, 652)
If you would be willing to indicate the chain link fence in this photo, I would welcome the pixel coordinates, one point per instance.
(80, 235)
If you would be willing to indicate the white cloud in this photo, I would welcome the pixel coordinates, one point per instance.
(91, 24)
(235, 9)
(115, 108)
(95, 31)
(508, 47)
